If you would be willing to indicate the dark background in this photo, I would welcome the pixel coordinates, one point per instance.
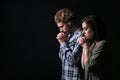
(29, 48)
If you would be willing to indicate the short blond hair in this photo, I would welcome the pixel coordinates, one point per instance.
(64, 15)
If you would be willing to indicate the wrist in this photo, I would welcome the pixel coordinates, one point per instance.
(85, 48)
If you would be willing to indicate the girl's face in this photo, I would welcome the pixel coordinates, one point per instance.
(88, 32)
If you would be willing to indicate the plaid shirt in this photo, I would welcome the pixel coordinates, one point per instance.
(67, 53)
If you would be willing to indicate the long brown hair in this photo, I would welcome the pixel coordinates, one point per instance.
(98, 26)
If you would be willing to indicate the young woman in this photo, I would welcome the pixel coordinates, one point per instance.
(96, 54)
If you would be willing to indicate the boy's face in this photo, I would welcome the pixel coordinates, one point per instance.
(63, 27)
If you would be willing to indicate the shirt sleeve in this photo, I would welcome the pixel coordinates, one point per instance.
(68, 52)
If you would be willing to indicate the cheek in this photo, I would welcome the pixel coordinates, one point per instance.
(88, 34)
(65, 28)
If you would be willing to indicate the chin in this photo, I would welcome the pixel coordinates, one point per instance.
(65, 32)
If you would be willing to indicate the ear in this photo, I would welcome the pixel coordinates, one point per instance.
(69, 23)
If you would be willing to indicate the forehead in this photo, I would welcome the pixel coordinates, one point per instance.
(59, 24)
(84, 25)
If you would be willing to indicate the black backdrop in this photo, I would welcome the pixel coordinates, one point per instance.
(29, 47)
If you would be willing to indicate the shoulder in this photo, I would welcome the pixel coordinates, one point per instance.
(102, 43)
(78, 33)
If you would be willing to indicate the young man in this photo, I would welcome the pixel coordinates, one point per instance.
(68, 38)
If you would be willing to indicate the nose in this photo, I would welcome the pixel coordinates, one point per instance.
(83, 33)
(61, 30)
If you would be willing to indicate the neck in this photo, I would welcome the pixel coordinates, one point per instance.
(96, 41)
(74, 28)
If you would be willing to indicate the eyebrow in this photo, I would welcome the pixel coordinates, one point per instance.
(83, 27)
(60, 26)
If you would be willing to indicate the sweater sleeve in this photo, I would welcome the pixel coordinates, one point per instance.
(98, 57)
